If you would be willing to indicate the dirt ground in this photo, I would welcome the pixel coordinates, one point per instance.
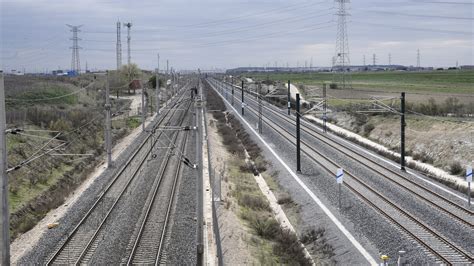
(234, 236)
(416, 97)
(442, 141)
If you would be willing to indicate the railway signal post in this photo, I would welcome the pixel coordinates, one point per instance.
(4, 222)
(298, 150)
(108, 145)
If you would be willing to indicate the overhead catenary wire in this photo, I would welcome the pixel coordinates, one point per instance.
(240, 40)
(415, 15)
(437, 118)
(413, 28)
(27, 161)
(236, 30)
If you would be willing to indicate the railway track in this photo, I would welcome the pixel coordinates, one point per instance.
(433, 241)
(149, 242)
(462, 214)
(79, 245)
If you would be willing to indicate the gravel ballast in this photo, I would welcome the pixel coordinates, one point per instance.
(119, 225)
(375, 233)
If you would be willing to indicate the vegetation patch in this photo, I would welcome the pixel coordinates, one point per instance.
(448, 81)
(133, 122)
(275, 244)
(43, 184)
(53, 94)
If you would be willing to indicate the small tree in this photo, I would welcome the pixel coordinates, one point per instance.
(152, 82)
(129, 73)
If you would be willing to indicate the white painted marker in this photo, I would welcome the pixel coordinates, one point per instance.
(339, 176)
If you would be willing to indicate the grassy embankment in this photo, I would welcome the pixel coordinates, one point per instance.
(271, 243)
(43, 184)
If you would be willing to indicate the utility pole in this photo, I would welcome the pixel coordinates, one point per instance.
(389, 59)
(200, 243)
(418, 59)
(325, 102)
(5, 217)
(157, 89)
(374, 59)
(289, 98)
(232, 92)
(402, 133)
(172, 83)
(108, 144)
(129, 57)
(260, 124)
(75, 62)
(298, 150)
(143, 109)
(243, 104)
(167, 66)
(119, 46)
(364, 60)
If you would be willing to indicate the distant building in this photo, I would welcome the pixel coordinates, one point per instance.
(17, 72)
(135, 84)
(466, 67)
(58, 72)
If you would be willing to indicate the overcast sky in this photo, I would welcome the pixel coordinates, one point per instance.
(232, 33)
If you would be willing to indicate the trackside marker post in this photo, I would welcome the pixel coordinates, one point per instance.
(339, 180)
(469, 181)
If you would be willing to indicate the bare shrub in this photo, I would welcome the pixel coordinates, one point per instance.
(368, 128)
(312, 235)
(289, 248)
(265, 227)
(285, 198)
(253, 202)
(456, 168)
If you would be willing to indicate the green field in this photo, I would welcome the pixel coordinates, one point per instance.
(450, 82)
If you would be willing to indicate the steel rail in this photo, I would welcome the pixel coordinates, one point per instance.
(96, 233)
(107, 189)
(152, 201)
(441, 238)
(322, 137)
